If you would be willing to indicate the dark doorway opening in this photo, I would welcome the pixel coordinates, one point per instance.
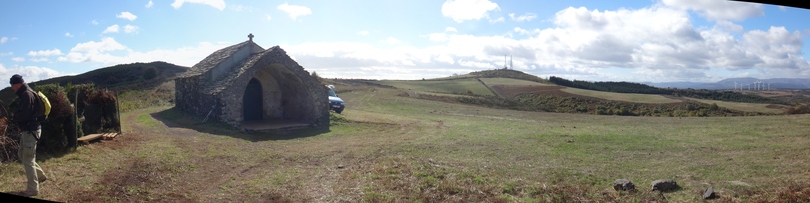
(252, 101)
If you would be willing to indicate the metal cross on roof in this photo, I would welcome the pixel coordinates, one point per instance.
(250, 36)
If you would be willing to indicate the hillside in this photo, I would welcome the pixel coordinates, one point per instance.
(118, 77)
(744, 83)
(512, 89)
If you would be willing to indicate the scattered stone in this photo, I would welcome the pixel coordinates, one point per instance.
(663, 185)
(341, 166)
(623, 184)
(709, 193)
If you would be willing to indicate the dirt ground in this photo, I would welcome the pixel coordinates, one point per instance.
(161, 178)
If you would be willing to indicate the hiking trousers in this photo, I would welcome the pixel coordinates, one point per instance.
(28, 156)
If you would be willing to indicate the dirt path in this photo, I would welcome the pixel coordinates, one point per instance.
(164, 163)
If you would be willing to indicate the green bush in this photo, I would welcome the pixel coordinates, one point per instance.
(150, 73)
(53, 138)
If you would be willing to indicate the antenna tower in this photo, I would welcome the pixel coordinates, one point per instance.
(504, 61)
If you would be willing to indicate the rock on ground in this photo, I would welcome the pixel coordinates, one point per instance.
(709, 193)
(623, 184)
(663, 185)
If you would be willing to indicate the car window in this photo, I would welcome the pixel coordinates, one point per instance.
(332, 93)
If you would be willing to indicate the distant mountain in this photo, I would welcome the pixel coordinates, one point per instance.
(118, 77)
(745, 83)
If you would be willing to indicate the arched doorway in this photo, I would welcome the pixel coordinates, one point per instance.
(252, 101)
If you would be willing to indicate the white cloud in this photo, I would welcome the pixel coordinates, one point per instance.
(130, 28)
(524, 17)
(445, 59)
(94, 22)
(93, 51)
(31, 74)
(6, 54)
(437, 37)
(719, 10)
(67, 34)
(497, 20)
(268, 17)
(729, 26)
(294, 10)
(40, 59)
(218, 4)
(461, 10)
(149, 5)
(107, 51)
(450, 29)
(111, 29)
(18, 59)
(127, 15)
(657, 43)
(391, 40)
(364, 32)
(3, 40)
(526, 32)
(106, 44)
(45, 53)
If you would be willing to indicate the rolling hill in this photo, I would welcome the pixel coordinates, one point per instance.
(513, 89)
(775, 83)
(118, 77)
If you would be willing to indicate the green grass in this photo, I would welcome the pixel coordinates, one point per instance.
(747, 107)
(510, 81)
(455, 86)
(454, 77)
(637, 98)
(401, 149)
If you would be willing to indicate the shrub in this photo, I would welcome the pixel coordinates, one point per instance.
(798, 109)
(150, 73)
(53, 138)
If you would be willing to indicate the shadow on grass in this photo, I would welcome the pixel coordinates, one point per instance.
(175, 118)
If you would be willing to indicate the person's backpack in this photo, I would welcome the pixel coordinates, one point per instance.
(46, 106)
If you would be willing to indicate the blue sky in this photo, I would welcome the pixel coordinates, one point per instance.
(639, 41)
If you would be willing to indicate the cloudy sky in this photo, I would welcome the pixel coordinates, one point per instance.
(638, 40)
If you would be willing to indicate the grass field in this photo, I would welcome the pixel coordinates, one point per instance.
(455, 86)
(747, 107)
(388, 148)
(637, 98)
(510, 81)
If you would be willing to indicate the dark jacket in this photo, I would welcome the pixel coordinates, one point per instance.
(28, 109)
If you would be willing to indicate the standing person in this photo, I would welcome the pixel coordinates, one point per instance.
(25, 116)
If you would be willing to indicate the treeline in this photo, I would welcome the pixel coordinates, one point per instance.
(619, 87)
(726, 96)
(638, 88)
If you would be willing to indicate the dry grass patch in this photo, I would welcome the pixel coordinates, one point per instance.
(627, 97)
(746, 107)
(510, 81)
(455, 86)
